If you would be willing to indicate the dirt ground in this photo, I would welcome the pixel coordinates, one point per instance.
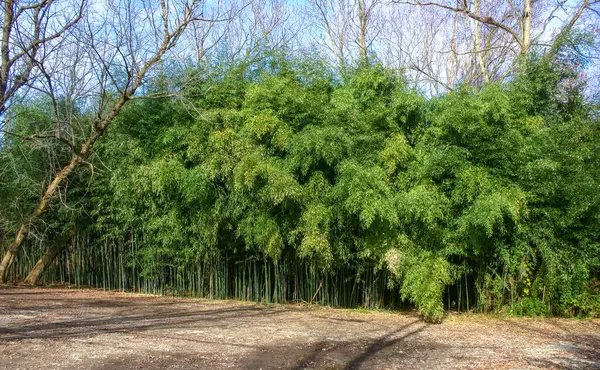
(86, 329)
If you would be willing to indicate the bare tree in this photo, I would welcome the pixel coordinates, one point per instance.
(424, 44)
(484, 39)
(30, 34)
(122, 43)
(263, 26)
(366, 18)
(513, 17)
(334, 22)
(348, 29)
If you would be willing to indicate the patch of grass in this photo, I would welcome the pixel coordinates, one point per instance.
(361, 310)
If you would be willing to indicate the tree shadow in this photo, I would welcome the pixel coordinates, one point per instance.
(373, 348)
(364, 343)
(381, 343)
(341, 319)
(123, 317)
(578, 351)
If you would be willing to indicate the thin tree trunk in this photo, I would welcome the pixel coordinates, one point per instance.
(526, 28)
(559, 39)
(480, 60)
(5, 52)
(453, 56)
(363, 19)
(467, 291)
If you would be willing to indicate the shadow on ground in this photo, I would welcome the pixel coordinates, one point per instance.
(221, 334)
(579, 351)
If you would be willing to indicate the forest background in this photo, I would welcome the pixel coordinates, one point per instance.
(436, 155)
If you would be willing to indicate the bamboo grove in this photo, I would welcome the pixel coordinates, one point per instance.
(284, 181)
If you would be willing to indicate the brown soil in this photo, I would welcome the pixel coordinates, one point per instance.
(87, 329)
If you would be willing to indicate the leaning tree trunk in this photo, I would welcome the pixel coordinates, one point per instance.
(170, 38)
(13, 249)
(80, 157)
(77, 159)
(38, 270)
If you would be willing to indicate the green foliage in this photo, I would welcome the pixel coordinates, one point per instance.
(479, 199)
(530, 306)
(422, 277)
(28, 161)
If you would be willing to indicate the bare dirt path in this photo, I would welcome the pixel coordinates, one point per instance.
(85, 329)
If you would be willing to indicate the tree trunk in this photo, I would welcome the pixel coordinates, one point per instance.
(363, 19)
(170, 38)
(559, 39)
(36, 272)
(526, 28)
(77, 159)
(7, 261)
(48, 257)
(478, 47)
(59, 178)
(12, 252)
(14, 247)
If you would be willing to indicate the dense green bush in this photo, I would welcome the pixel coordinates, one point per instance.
(472, 200)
